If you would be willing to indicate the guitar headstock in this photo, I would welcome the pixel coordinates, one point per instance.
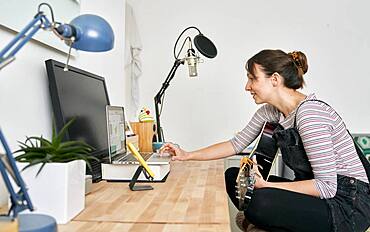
(246, 161)
(245, 183)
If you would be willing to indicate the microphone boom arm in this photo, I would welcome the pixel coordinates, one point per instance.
(205, 47)
(159, 95)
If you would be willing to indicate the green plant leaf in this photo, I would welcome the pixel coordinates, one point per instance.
(22, 145)
(30, 156)
(34, 162)
(38, 172)
(38, 150)
(54, 132)
(29, 141)
(41, 140)
(58, 138)
(75, 143)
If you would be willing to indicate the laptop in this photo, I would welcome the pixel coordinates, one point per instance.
(118, 152)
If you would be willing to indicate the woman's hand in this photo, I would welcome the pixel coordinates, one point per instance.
(260, 182)
(175, 151)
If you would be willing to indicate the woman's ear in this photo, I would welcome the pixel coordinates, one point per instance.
(276, 79)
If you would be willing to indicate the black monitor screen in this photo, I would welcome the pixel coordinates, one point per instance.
(83, 95)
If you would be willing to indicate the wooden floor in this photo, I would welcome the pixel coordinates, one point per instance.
(192, 199)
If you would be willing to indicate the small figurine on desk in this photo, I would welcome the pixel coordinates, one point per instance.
(144, 115)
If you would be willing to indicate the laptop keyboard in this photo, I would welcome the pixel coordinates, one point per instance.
(145, 155)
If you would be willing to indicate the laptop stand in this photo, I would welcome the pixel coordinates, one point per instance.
(136, 176)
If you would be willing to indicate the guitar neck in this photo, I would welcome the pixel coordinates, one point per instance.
(251, 154)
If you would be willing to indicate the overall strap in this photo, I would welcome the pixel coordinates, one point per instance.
(311, 100)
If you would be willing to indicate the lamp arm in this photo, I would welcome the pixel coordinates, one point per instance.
(159, 95)
(21, 200)
(8, 53)
(65, 32)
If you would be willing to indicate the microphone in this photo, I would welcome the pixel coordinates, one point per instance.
(192, 59)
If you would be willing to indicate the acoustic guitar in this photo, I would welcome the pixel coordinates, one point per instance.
(265, 150)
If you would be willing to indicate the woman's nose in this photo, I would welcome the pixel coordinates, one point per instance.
(247, 86)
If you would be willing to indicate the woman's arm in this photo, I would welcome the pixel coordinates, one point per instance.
(216, 151)
(224, 149)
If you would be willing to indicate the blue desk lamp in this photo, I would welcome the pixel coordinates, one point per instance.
(85, 32)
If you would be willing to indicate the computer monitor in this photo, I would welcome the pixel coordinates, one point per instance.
(82, 95)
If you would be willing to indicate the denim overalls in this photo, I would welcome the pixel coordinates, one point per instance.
(350, 207)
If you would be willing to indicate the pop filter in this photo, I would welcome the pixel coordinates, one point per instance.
(205, 46)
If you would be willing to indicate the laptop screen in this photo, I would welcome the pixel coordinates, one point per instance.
(116, 131)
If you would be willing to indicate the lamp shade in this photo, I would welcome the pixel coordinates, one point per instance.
(93, 33)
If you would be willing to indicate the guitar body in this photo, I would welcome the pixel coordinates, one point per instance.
(265, 151)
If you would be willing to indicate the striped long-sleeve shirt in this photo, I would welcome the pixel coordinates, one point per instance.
(329, 147)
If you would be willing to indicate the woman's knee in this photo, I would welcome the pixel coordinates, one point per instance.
(231, 173)
(230, 176)
(259, 208)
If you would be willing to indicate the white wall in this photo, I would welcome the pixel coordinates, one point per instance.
(334, 34)
(24, 94)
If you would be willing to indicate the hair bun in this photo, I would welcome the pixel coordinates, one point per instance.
(300, 60)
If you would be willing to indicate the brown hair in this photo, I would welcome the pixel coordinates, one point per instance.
(290, 66)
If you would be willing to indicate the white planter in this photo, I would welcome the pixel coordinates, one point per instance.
(59, 189)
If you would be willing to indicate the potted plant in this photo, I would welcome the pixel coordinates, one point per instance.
(54, 172)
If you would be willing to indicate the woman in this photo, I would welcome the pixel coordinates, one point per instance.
(330, 191)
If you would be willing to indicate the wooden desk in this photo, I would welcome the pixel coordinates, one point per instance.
(193, 198)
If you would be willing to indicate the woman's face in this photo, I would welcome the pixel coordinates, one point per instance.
(259, 85)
